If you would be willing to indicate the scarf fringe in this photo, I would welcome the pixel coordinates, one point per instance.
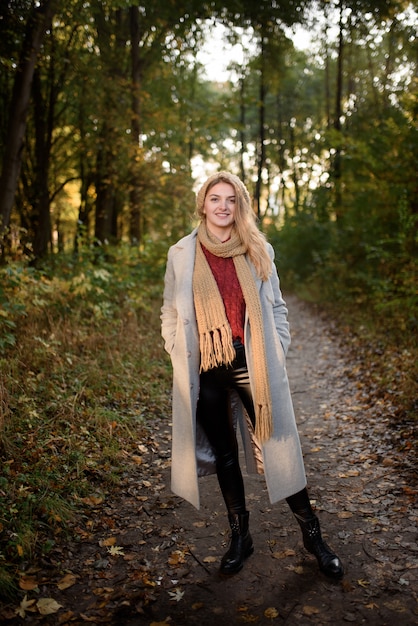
(216, 348)
(263, 424)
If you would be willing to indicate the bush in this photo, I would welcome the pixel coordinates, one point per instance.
(79, 383)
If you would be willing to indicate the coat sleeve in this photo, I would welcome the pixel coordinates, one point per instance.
(169, 309)
(279, 307)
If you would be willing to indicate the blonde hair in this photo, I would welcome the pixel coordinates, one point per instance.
(245, 220)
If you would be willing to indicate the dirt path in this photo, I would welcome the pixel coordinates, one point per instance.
(146, 557)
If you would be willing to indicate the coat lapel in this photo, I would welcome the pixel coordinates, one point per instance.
(183, 264)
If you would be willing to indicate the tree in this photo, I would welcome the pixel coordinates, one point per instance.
(38, 22)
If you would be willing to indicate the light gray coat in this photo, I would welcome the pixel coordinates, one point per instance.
(280, 457)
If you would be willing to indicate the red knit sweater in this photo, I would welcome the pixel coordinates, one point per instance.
(230, 290)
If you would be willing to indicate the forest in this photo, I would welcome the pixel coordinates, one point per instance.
(108, 122)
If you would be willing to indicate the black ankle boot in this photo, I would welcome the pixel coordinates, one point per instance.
(241, 544)
(328, 562)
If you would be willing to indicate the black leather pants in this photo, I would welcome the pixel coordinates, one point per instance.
(213, 413)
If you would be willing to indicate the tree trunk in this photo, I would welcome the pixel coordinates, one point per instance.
(337, 119)
(327, 72)
(135, 194)
(242, 127)
(40, 217)
(105, 194)
(292, 149)
(261, 152)
(12, 157)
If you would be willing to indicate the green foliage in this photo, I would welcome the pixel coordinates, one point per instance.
(302, 246)
(79, 385)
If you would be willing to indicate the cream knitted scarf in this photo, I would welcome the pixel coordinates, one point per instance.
(215, 335)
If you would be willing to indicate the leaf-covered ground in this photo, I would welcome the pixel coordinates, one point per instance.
(141, 556)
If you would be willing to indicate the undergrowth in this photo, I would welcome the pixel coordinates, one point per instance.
(82, 374)
(379, 333)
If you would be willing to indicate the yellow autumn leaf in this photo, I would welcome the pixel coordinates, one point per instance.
(110, 541)
(68, 581)
(249, 618)
(271, 613)
(283, 554)
(93, 500)
(210, 559)
(176, 558)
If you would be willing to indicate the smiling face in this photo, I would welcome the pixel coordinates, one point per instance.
(219, 209)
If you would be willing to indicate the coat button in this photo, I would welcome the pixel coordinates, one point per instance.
(185, 322)
(189, 354)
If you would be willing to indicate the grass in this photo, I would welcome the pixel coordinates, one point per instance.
(82, 376)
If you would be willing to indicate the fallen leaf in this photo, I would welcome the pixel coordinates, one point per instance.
(110, 541)
(176, 595)
(103, 591)
(197, 606)
(251, 619)
(283, 554)
(210, 559)
(25, 605)
(310, 610)
(93, 500)
(176, 558)
(395, 605)
(271, 613)
(28, 583)
(387, 462)
(68, 581)
(48, 606)
(116, 550)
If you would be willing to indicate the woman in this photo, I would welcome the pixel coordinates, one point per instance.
(224, 324)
